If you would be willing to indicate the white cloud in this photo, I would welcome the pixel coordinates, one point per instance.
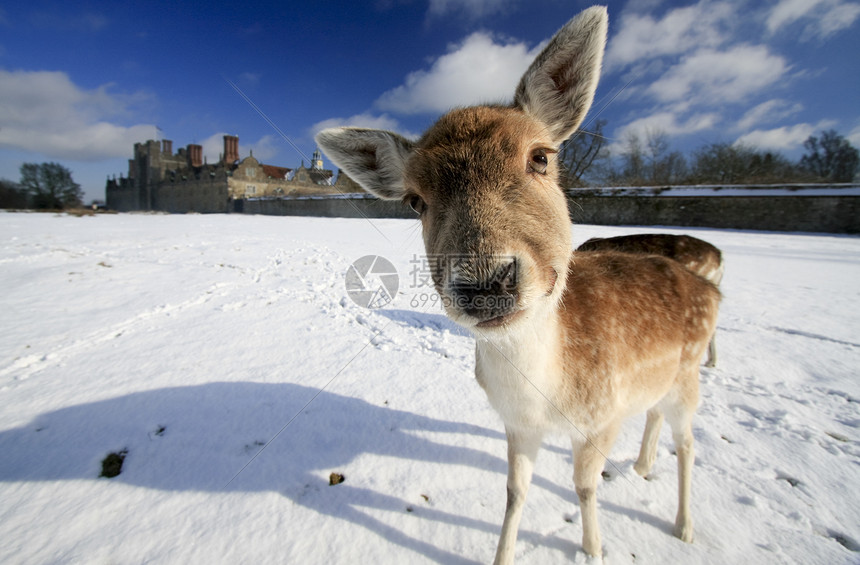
(477, 71)
(789, 11)
(854, 136)
(822, 18)
(46, 112)
(836, 19)
(663, 122)
(713, 66)
(783, 138)
(264, 148)
(641, 37)
(365, 120)
(213, 147)
(770, 111)
(711, 76)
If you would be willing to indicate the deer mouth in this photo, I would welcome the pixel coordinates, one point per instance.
(500, 321)
(485, 291)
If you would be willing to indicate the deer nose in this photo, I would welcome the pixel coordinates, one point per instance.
(494, 297)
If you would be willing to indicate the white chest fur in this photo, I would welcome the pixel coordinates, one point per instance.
(520, 373)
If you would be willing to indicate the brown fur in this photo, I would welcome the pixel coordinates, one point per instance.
(509, 211)
(695, 254)
(566, 342)
(625, 312)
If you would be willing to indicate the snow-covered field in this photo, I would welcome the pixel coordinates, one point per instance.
(223, 355)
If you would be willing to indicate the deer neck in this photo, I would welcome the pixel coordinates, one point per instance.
(520, 367)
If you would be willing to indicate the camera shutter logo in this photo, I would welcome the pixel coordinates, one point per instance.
(372, 281)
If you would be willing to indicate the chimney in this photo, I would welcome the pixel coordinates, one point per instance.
(231, 149)
(167, 147)
(195, 155)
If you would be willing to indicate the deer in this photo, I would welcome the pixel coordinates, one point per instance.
(565, 342)
(701, 257)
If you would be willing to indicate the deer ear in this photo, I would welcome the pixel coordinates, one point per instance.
(559, 86)
(373, 158)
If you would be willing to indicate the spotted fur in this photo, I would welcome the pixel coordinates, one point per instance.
(565, 342)
(697, 255)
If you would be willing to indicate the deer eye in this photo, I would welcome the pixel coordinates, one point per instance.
(416, 203)
(539, 161)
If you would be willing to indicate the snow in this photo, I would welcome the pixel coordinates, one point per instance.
(338, 196)
(223, 354)
(724, 190)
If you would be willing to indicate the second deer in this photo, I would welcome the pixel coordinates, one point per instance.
(699, 256)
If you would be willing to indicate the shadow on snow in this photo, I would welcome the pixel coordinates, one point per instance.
(197, 438)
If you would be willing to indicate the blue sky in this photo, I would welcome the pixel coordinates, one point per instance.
(81, 82)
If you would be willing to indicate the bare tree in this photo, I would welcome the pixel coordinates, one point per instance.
(722, 163)
(633, 161)
(11, 195)
(664, 167)
(649, 163)
(727, 163)
(50, 186)
(770, 167)
(830, 157)
(581, 152)
(646, 159)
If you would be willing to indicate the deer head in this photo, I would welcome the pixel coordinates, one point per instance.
(484, 182)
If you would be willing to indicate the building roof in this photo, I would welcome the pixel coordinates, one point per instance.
(275, 172)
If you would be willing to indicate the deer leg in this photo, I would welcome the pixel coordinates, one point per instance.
(522, 452)
(686, 456)
(712, 352)
(589, 456)
(648, 450)
(680, 418)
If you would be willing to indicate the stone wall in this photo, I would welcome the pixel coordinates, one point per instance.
(206, 196)
(123, 198)
(356, 206)
(826, 214)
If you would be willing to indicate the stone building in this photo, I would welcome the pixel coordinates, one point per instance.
(159, 179)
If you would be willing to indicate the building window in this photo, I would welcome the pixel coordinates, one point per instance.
(251, 172)
(250, 189)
